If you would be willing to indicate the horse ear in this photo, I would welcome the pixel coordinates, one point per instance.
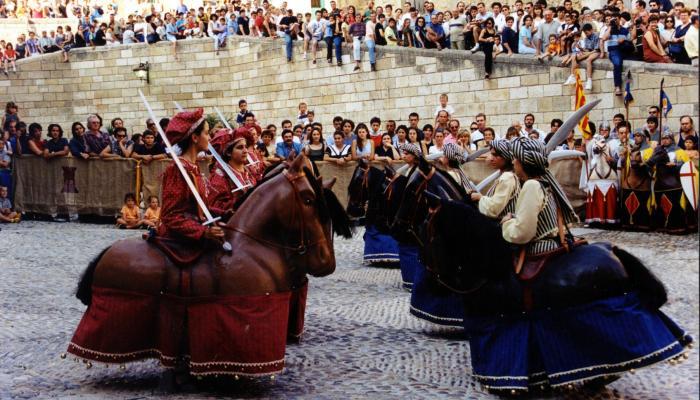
(433, 199)
(298, 163)
(363, 163)
(328, 184)
(389, 171)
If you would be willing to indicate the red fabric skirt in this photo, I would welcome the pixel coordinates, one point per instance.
(236, 335)
(602, 208)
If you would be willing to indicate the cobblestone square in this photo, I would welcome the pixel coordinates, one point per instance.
(360, 341)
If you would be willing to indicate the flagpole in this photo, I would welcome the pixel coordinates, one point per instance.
(661, 105)
(628, 89)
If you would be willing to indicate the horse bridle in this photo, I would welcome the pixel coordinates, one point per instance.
(303, 246)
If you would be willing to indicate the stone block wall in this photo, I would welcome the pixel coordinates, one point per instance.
(101, 80)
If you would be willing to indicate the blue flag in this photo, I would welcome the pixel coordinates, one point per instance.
(628, 89)
(666, 105)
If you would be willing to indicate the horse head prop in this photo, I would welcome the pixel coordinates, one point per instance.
(303, 213)
(413, 208)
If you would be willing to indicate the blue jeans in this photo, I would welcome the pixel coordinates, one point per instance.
(616, 59)
(288, 46)
(356, 48)
(371, 46)
(338, 43)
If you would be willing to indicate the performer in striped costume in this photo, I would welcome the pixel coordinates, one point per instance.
(501, 198)
(456, 156)
(540, 203)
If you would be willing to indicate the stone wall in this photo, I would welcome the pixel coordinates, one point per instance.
(101, 80)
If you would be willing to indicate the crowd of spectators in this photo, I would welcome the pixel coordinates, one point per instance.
(346, 141)
(658, 31)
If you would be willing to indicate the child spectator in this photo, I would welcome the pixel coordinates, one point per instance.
(303, 117)
(152, 216)
(10, 115)
(497, 47)
(444, 106)
(9, 56)
(242, 111)
(6, 212)
(130, 214)
(552, 49)
(576, 50)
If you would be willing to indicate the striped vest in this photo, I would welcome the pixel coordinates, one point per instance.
(546, 237)
(510, 207)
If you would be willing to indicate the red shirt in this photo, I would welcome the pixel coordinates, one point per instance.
(180, 215)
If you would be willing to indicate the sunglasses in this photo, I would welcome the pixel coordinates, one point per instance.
(121, 136)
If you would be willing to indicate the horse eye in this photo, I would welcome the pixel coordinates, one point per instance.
(308, 202)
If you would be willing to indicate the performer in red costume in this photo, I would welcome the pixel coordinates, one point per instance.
(181, 217)
(233, 148)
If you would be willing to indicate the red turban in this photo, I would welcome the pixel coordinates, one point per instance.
(243, 133)
(183, 124)
(221, 140)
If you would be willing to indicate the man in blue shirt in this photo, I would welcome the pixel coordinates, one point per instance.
(287, 145)
(435, 34)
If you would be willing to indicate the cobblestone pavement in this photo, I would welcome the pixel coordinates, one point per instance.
(360, 340)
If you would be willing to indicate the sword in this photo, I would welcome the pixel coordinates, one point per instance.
(486, 181)
(227, 125)
(180, 167)
(560, 136)
(224, 165)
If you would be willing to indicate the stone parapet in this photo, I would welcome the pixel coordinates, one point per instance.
(101, 80)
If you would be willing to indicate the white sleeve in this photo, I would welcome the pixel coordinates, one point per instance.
(522, 228)
(492, 206)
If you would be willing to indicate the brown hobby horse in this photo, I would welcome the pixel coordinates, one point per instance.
(229, 313)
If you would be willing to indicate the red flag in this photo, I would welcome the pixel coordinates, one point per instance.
(580, 102)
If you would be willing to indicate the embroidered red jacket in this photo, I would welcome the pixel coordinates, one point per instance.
(180, 215)
(221, 199)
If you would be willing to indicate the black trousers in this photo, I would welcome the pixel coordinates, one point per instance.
(487, 48)
(329, 47)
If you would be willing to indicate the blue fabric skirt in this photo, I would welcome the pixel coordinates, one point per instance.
(560, 347)
(408, 261)
(379, 248)
(429, 300)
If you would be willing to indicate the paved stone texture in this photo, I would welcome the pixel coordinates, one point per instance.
(360, 340)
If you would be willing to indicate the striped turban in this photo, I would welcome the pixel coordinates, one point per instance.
(412, 148)
(454, 153)
(503, 148)
(532, 152)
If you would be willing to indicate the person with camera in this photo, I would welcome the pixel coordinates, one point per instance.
(615, 37)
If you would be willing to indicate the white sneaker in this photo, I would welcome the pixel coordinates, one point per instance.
(589, 84)
(475, 48)
(304, 56)
(570, 80)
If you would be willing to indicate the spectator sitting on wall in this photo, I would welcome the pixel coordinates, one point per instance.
(150, 150)
(78, 144)
(6, 212)
(120, 146)
(57, 145)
